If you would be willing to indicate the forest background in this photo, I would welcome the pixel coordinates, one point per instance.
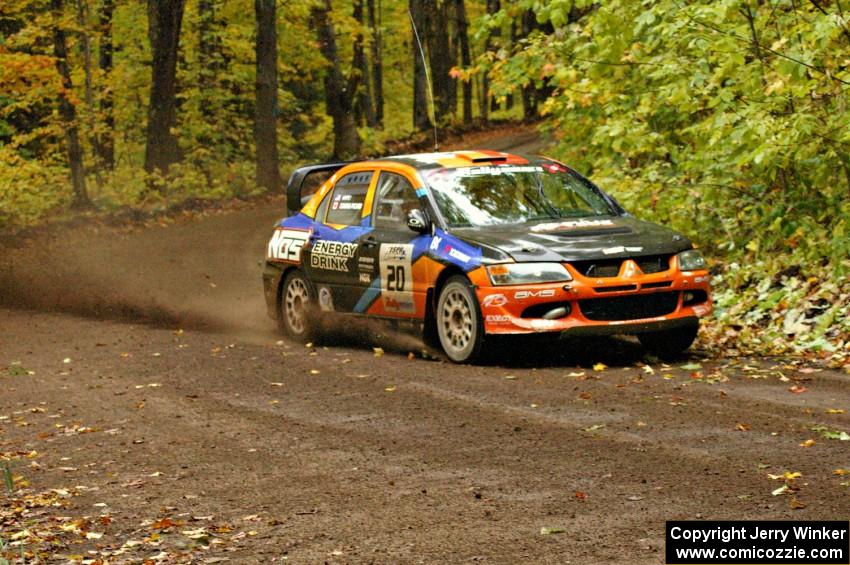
(726, 119)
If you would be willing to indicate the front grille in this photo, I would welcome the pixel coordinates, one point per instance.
(599, 269)
(635, 307)
(607, 268)
(653, 263)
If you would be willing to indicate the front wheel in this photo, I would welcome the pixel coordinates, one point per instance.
(460, 327)
(296, 318)
(669, 344)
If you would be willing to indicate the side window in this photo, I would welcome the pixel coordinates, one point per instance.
(346, 199)
(394, 198)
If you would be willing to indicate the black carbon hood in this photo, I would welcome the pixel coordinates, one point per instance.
(581, 239)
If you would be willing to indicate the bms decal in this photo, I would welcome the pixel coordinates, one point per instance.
(286, 244)
(523, 294)
(332, 255)
(395, 261)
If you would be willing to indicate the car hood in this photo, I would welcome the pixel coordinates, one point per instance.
(575, 240)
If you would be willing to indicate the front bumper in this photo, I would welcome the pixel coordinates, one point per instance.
(615, 305)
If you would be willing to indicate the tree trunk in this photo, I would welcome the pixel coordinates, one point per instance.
(421, 121)
(105, 146)
(339, 93)
(377, 63)
(493, 6)
(164, 20)
(85, 46)
(465, 57)
(440, 54)
(364, 111)
(265, 119)
(67, 110)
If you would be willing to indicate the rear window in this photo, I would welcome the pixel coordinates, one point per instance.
(347, 198)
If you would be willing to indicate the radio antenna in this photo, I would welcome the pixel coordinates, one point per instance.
(427, 78)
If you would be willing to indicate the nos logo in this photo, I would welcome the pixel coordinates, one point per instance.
(285, 245)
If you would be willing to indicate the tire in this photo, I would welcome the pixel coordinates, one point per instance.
(669, 344)
(460, 326)
(296, 316)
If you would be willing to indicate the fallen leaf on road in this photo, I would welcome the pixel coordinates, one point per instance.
(808, 443)
(548, 531)
(691, 367)
(796, 504)
(648, 370)
(276, 384)
(510, 377)
(787, 475)
(797, 389)
(389, 389)
(378, 351)
(594, 428)
(314, 371)
(634, 498)
(600, 367)
(835, 411)
(576, 374)
(781, 490)
(580, 496)
(841, 472)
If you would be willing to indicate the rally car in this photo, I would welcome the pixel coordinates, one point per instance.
(473, 244)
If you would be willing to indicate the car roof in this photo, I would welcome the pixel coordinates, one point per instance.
(455, 159)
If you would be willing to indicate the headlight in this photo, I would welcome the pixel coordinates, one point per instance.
(691, 260)
(527, 273)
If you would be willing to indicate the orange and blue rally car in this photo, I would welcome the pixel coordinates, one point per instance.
(473, 244)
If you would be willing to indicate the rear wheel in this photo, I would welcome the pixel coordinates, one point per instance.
(297, 319)
(669, 344)
(459, 324)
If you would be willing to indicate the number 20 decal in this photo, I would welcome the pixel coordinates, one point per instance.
(395, 278)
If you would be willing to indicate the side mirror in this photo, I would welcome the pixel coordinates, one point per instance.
(418, 222)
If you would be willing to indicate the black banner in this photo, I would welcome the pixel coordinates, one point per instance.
(757, 543)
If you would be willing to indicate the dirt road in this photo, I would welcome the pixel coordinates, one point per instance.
(198, 436)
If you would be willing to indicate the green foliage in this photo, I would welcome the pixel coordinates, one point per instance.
(736, 135)
(215, 100)
(727, 119)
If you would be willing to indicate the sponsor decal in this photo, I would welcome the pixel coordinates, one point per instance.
(523, 294)
(459, 255)
(571, 224)
(621, 249)
(285, 245)
(498, 319)
(698, 280)
(332, 255)
(366, 265)
(435, 243)
(498, 170)
(326, 302)
(494, 301)
(365, 278)
(392, 304)
(396, 269)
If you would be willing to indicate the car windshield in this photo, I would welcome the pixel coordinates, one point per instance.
(511, 194)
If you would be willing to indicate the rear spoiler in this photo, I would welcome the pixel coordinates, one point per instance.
(296, 182)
